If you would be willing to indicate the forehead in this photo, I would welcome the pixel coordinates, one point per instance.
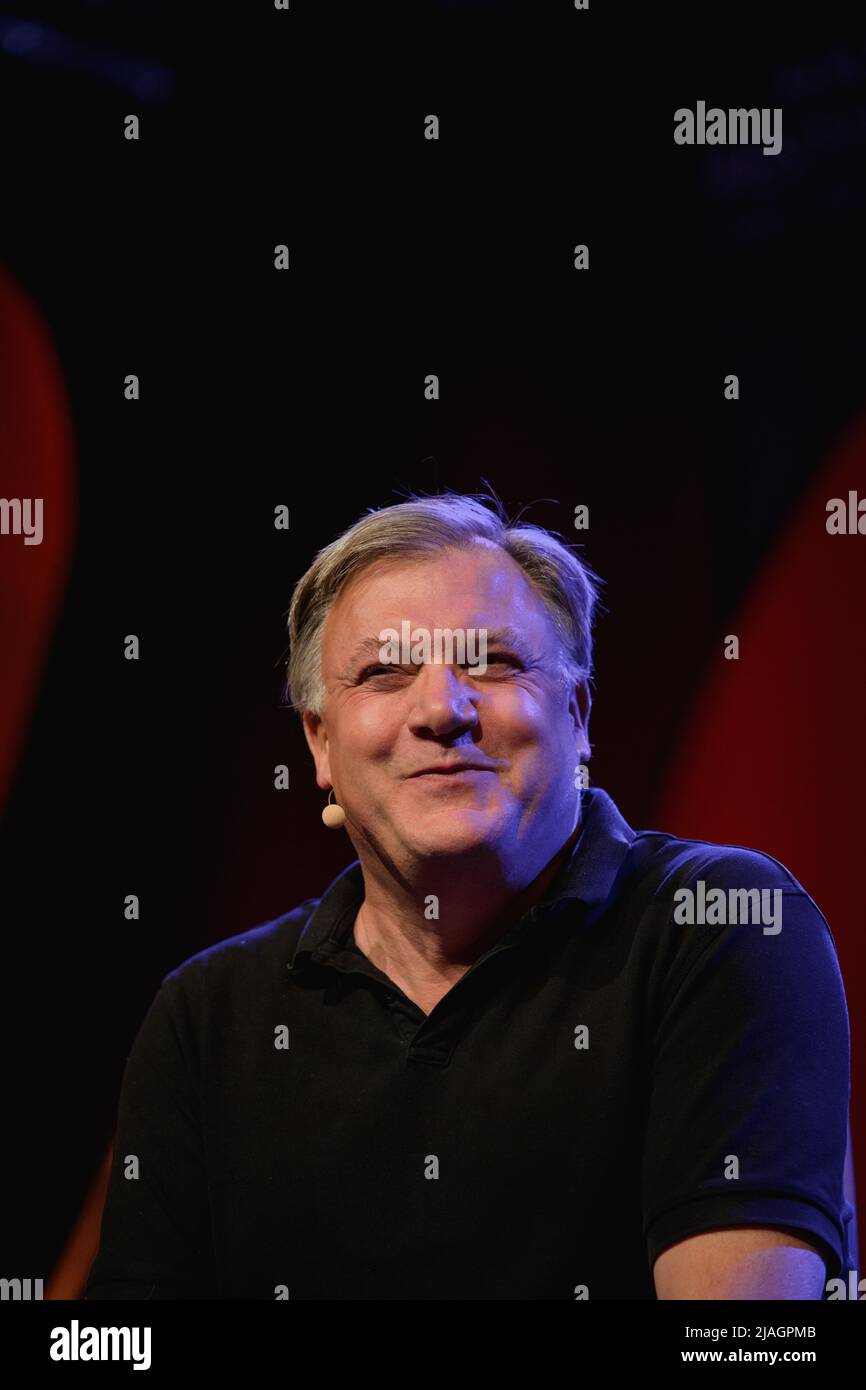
(479, 588)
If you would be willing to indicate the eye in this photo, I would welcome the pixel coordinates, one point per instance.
(377, 670)
(492, 659)
(502, 659)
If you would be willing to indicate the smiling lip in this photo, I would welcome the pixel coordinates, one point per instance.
(450, 771)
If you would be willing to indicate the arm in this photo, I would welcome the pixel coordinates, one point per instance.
(751, 1262)
(747, 1123)
(155, 1238)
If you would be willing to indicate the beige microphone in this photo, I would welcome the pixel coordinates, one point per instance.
(333, 815)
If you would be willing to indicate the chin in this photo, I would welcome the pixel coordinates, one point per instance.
(453, 832)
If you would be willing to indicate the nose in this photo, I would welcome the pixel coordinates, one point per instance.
(442, 702)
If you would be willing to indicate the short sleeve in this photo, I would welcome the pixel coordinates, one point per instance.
(750, 1088)
(155, 1238)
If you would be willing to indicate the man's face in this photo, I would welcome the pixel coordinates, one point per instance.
(382, 724)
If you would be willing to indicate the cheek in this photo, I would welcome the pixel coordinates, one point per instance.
(519, 717)
(370, 726)
(528, 731)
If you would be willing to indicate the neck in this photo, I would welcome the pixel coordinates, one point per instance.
(424, 954)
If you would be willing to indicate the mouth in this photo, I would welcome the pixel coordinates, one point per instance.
(456, 774)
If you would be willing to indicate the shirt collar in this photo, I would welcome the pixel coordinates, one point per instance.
(588, 876)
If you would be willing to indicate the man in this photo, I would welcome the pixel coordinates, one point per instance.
(516, 1050)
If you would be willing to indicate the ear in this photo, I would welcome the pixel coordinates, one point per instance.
(579, 707)
(317, 742)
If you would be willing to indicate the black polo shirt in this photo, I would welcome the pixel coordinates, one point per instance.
(604, 1081)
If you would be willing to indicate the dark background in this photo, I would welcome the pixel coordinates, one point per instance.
(305, 388)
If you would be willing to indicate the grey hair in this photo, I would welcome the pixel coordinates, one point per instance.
(566, 585)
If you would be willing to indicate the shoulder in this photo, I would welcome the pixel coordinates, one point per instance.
(679, 860)
(214, 996)
(245, 958)
(668, 869)
(688, 900)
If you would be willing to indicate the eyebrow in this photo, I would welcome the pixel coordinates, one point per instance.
(499, 637)
(370, 646)
(507, 637)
